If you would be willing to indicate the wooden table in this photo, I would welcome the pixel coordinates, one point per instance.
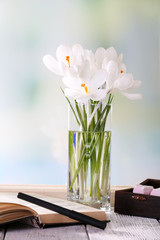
(121, 226)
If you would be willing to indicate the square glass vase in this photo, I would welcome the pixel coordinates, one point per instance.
(89, 150)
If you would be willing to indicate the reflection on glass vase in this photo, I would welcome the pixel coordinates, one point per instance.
(89, 141)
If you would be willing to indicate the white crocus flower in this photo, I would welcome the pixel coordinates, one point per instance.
(86, 85)
(67, 59)
(121, 82)
(83, 72)
(104, 56)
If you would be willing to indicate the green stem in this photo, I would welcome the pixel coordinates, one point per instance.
(83, 154)
(106, 164)
(98, 191)
(80, 115)
(85, 117)
(100, 118)
(71, 107)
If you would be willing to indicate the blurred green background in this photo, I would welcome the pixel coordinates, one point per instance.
(33, 111)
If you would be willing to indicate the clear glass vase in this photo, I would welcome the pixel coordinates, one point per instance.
(89, 142)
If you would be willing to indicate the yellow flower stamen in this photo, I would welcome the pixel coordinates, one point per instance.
(67, 59)
(85, 88)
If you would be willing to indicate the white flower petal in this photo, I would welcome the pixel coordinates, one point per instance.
(78, 54)
(91, 59)
(112, 73)
(78, 49)
(132, 96)
(120, 57)
(52, 64)
(77, 95)
(124, 82)
(105, 63)
(72, 93)
(62, 52)
(71, 82)
(136, 84)
(99, 56)
(84, 71)
(83, 98)
(112, 68)
(111, 54)
(98, 79)
(72, 72)
(98, 94)
(123, 67)
(88, 54)
(63, 68)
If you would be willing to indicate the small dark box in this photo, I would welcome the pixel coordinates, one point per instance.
(129, 203)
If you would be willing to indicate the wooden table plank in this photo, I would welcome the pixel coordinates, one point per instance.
(23, 232)
(59, 191)
(123, 227)
(2, 233)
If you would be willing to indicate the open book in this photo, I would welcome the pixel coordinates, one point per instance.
(12, 209)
